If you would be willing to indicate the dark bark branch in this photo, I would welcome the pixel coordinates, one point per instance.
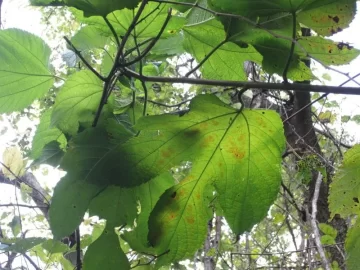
(307, 88)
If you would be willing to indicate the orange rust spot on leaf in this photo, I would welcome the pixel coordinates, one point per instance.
(215, 123)
(208, 140)
(172, 216)
(166, 153)
(238, 154)
(188, 179)
(198, 196)
(241, 138)
(160, 162)
(181, 192)
(261, 122)
(190, 220)
(203, 125)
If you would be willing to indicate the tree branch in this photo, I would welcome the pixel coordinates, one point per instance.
(269, 86)
(315, 229)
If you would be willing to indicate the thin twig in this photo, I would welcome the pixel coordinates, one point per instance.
(31, 262)
(149, 14)
(111, 27)
(292, 48)
(78, 249)
(152, 42)
(78, 53)
(130, 29)
(22, 205)
(169, 106)
(331, 137)
(315, 229)
(269, 86)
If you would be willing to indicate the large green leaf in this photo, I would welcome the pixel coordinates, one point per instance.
(147, 194)
(345, 188)
(25, 69)
(101, 7)
(95, 157)
(148, 26)
(89, 37)
(45, 134)
(70, 201)
(259, 7)
(327, 17)
(227, 148)
(105, 253)
(226, 62)
(77, 101)
(352, 246)
(268, 43)
(117, 205)
(327, 51)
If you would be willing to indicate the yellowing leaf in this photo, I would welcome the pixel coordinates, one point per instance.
(227, 148)
(13, 160)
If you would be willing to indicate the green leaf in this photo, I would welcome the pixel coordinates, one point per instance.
(101, 7)
(148, 26)
(169, 46)
(89, 37)
(328, 230)
(148, 194)
(116, 205)
(270, 46)
(24, 72)
(77, 101)
(327, 51)
(356, 118)
(51, 155)
(105, 253)
(45, 134)
(327, 17)
(23, 245)
(226, 63)
(259, 7)
(54, 246)
(212, 136)
(345, 118)
(345, 189)
(70, 202)
(352, 247)
(327, 240)
(94, 157)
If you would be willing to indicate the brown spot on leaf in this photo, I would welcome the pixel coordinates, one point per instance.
(336, 19)
(261, 122)
(356, 200)
(241, 138)
(342, 45)
(238, 154)
(166, 153)
(190, 220)
(215, 123)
